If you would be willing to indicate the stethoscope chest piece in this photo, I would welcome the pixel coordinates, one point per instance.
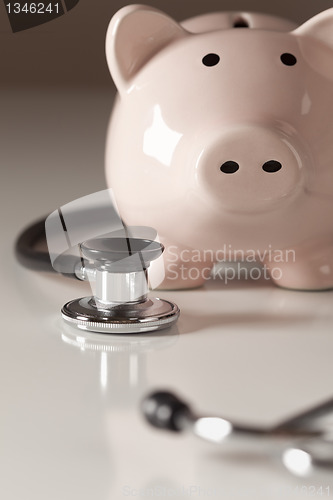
(118, 275)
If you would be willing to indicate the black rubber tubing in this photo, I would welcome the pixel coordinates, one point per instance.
(27, 254)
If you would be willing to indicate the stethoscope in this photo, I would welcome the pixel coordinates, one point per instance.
(304, 443)
(120, 303)
(88, 240)
(116, 265)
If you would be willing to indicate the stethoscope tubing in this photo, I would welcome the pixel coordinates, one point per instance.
(306, 434)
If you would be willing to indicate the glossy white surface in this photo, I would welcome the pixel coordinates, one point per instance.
(69, 420)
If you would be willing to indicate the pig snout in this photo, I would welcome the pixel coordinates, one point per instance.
(251, 168)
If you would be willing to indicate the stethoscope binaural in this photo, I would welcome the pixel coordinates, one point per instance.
(304, 443)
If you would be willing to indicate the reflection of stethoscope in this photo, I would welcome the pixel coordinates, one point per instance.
(122, 359)
(304, 442)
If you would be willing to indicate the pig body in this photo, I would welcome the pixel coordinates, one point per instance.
(222, 140)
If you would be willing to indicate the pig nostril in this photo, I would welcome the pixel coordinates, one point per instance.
(211, 60)
(272, 166)
(229, 167)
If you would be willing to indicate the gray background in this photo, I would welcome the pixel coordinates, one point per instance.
(70, 49)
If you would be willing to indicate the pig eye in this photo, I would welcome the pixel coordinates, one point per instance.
(211, 60)
(288, 59)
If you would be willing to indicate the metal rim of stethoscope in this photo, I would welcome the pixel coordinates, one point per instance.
(119, 267)
(84, 315)
(113, 344)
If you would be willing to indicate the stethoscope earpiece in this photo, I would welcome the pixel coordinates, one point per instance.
(163, 410)
(304, 443)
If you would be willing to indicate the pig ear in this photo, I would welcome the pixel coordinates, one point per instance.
(135, 34)
(320, 29)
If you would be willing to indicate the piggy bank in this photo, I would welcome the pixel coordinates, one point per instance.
(221, 138)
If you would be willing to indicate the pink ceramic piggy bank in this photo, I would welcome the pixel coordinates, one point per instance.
(222, 140)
